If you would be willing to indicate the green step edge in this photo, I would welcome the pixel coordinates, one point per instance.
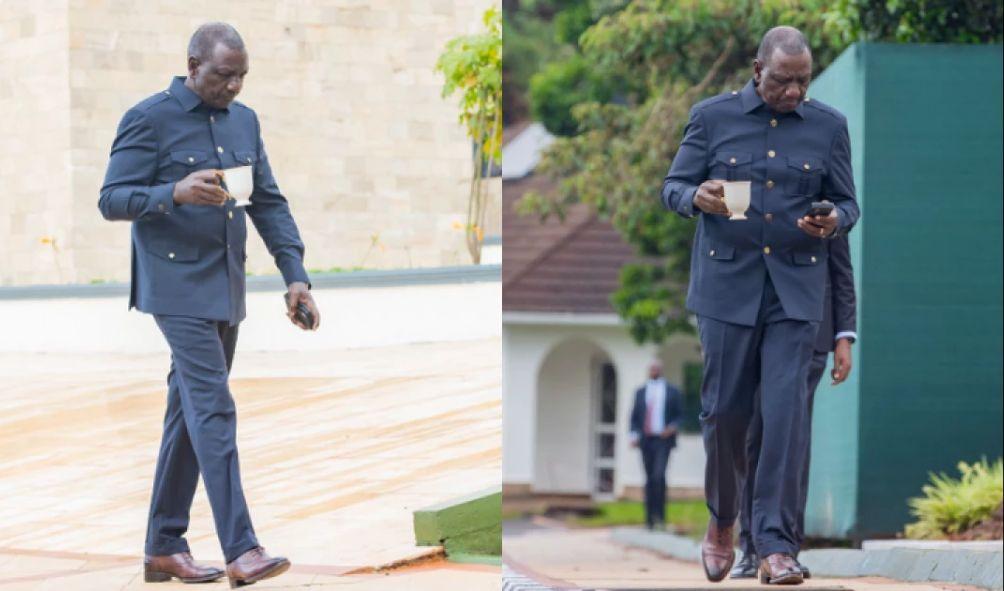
(468, 526)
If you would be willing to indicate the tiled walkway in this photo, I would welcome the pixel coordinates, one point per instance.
(337, 449)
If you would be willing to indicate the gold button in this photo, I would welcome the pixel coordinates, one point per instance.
(732, 160)
(770, 184)
(771, 153)
(230, 214)
(219, 149)
(170, 255)
(768, 217)
(813, 259)
(712, 253)
(766, 250)
(773, 122)
(735, 92)
(212, 119)
(806, 166)
(191, 160)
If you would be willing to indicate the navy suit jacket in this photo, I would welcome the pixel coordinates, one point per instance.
(189, 259)
(840, 303)
(791, 160)
(673, 411)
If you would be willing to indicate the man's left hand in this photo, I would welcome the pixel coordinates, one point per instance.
(841, 361)
(299, 292)
(668, 432)
(819, 226)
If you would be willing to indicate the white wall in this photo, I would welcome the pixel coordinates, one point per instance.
(526, 345)
(350, 317)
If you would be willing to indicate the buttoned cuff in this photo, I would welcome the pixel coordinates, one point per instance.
(846, 334)
(686, 206)
(161, 199)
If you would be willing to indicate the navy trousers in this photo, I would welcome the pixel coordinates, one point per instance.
(816, 368)
(200, 430)
(774, 355)
(655, 457)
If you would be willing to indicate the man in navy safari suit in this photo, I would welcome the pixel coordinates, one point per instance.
(188, 256)
(655, 421)
(836, 334)
(757, 285)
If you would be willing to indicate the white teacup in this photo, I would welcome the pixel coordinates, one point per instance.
(240, 184)
(737, 198)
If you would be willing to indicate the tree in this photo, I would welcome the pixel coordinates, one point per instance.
(472, 65)
(676, 52)
(916, 21)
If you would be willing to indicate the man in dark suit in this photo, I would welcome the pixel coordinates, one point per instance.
(836, 334)
(655, 420)
(757, 284)
(188, 256)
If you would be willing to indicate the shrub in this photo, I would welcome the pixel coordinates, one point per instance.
(950, 505)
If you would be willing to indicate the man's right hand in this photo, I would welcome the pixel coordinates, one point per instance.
(710, 198)
(202, 187)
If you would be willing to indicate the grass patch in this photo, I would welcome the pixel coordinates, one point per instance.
(952, 505)
(686, 517)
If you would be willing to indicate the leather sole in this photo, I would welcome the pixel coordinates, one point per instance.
(152, 576)
(268, 573)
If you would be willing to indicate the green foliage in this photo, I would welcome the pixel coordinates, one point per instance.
(559, 87)
(916, 21)
(685, 516)
(528, 45)
(472, 66)
(950, 505)
(674, 53)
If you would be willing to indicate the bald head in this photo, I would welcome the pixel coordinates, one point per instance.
(789, 40)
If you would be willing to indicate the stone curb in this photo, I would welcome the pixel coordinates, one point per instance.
(255, 283)
(960, 563)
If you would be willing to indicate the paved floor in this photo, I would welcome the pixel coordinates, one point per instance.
(588, 559)
(337, 449)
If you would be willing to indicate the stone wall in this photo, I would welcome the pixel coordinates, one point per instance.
(363, 145)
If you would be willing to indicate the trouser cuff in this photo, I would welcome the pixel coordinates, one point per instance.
(775, 547)
(165, 546)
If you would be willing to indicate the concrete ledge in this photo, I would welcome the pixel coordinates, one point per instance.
(465, 527)
(979, 564)
(257, 283)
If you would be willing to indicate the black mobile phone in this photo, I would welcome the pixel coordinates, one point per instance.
(821, 208)
(302, 312)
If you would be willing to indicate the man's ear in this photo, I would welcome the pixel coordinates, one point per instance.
(757, 70)
(193, 65)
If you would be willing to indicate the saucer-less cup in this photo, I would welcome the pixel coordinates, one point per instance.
(240, 184)
(737, 198)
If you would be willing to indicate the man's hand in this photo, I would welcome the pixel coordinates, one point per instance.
(202, 187)
(710, 198)
(298, 292)
(819, 226)
(634, 442)
(668, 432)
(841, 361)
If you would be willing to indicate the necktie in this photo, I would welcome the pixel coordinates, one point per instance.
(649, 415)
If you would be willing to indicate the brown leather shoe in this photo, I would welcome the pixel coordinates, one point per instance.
(717, 552)
(253, 566)
(780, 569)
(158, 569)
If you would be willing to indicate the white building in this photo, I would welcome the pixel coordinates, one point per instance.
(570, 368)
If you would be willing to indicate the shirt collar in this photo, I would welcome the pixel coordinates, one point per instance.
(185, 95)
(752, 100)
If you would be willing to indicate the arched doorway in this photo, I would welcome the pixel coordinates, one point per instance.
(576, 429)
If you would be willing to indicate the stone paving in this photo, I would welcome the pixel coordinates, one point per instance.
(559, 558)
(337, 449)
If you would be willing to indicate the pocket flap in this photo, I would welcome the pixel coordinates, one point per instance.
(721, 253)
(805, 164)
(245, 156)
(806, 258)
(188, 156)
(175, 252)
(734, 158)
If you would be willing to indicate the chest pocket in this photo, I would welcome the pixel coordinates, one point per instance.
(807, 174)
(181, 163)
(245, 157)
(732, 166)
